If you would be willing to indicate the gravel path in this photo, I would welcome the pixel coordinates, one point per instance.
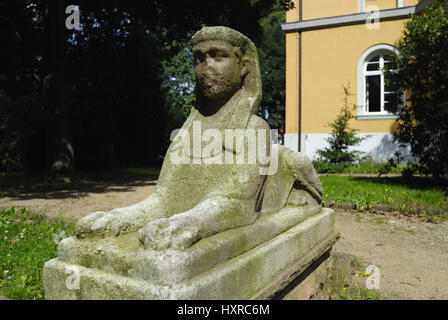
(77, 199)
(412, 255)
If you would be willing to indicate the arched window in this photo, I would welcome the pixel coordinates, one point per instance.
(373, 92)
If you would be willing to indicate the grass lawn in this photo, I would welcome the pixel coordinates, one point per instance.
(364, 166)
(419, 195)
(27, 241)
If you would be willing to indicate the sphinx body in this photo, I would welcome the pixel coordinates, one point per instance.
(197, 198)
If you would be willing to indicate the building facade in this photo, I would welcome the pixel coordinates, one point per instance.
(335, 43)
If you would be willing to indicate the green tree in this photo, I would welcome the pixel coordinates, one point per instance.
(342, 137)
(178, 83)
(423, 73)
(271, 53)
(94, 98)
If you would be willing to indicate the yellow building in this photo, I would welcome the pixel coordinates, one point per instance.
(330, 43)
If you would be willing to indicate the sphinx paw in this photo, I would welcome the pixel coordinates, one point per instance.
(98, 223)
(168, 233)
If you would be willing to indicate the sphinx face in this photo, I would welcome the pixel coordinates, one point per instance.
(218, 69)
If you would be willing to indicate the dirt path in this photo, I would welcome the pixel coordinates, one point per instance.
(77, 199)
(412, 255)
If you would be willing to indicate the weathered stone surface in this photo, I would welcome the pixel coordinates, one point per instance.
(125, 256)
(213, 228)
(303, 278)
(315, 285)
(200, 193)
(241, 277)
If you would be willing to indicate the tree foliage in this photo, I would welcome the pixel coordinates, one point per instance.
(178, 83)
(271, 53)
(342, 137)
(108, 94)
(423, 73)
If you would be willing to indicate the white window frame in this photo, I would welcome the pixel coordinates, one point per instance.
(362, 4)
(363, 113)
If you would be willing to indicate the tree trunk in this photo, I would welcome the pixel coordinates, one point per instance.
(59, 148)
(107, 109)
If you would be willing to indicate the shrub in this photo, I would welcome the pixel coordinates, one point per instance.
(423, 72)
(342, 137)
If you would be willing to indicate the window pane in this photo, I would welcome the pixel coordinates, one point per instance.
(375, 58)
(373, 93)
(373, 66)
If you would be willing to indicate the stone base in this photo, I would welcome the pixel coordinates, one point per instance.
(306, 279)
(230, 265)
(313, 283)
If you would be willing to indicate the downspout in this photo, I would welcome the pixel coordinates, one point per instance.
(299, 127)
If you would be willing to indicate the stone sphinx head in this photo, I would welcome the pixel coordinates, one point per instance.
(226, 62)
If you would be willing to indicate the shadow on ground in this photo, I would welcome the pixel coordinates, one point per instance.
(77, 187)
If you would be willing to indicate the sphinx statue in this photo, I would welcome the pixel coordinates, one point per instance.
(224, 190)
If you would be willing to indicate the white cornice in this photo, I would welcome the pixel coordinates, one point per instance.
(357, 18)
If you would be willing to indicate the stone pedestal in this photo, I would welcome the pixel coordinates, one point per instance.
(312, 282)
(259, 261)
